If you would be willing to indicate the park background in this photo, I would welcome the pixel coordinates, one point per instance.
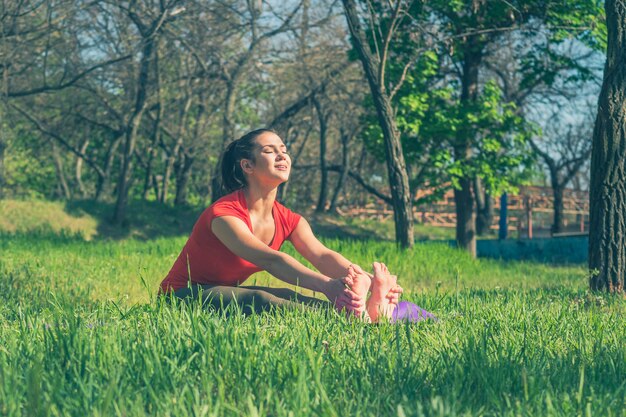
(406, 121)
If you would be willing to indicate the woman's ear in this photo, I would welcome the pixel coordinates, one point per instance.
(246, 166)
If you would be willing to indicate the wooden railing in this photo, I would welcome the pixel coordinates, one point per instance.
(530, 209)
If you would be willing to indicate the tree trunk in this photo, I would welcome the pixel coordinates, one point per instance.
(3, 147)
(79, 170)
(396, 167)
(463, 198)
(63, 188)
(103, 187)
(156, 131)
(174, 155)
(132, 129)
(607, 233)
(465, 222)
(343, 174)
(228, 133)
(183, 173)
(148, 177)
(557, 192)
(323, 121)
(484, 208)
(155, 187)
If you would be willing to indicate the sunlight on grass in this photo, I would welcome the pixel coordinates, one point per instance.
(79, 331)
(82, 333)
(43, 216)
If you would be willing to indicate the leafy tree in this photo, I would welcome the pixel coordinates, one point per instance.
(372, 33)
(462, 115)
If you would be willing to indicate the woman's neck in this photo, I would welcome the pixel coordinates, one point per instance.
(260, 201)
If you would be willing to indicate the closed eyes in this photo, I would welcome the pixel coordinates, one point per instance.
(284, 152)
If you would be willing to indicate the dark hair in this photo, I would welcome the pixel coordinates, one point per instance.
(233, 177)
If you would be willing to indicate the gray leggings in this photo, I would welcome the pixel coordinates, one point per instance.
(249, 299)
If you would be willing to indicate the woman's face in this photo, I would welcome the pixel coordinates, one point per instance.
(272, 163)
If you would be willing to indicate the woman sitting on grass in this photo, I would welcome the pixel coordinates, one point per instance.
(242, 232)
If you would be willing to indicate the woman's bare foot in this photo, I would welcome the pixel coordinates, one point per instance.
(360, 284)
(379, 305)
(394, 293)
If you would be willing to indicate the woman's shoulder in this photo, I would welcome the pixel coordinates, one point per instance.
(230, 204)
(233, 197)
(282, 208)
(287, 216)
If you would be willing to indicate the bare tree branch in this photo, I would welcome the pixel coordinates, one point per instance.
(76, 151)
(48, 88)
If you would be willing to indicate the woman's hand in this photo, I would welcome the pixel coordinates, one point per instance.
(394, 294)
(342, 297)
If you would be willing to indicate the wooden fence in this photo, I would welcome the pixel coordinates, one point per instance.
(528, 211)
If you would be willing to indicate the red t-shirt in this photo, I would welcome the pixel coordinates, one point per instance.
(204, 258)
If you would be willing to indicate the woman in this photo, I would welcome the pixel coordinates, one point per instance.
(242, 232)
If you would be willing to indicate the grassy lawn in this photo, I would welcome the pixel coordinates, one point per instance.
(81, 334)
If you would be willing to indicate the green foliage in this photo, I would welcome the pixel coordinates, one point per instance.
(26, 173)
(583, 20)
(423, 119)
(429, 119)
(502, 155)
(433, 117)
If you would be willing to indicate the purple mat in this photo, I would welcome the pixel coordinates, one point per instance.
(406, 311)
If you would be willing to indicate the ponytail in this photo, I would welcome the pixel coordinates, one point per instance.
(233, 178)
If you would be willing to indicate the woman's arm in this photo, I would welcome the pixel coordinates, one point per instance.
(236, 236)
(325, 260)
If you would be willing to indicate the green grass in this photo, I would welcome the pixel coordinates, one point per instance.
(81, 334)
(35, 216)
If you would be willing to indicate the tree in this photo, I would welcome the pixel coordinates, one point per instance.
(38, 54)
(565, 80)
(319, 93)
(475, 28)
(469, 113)
(149, 27)
(234, 70)
(607, 232)
(564, 148)
(129, 109)
(48, 83)
(374, 63)
(323, 117)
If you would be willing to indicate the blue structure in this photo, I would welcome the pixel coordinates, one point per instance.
(503, 213)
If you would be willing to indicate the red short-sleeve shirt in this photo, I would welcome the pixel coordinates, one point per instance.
(204, 258)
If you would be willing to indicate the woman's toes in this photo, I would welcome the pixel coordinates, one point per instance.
(351, 273)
